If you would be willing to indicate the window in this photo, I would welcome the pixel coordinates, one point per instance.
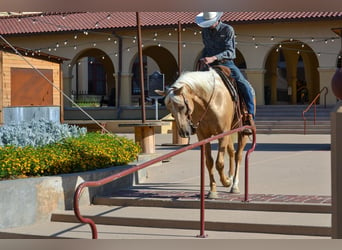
(96, 77)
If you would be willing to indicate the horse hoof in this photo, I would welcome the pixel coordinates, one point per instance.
(227, 183)
(212, 195)
(235, 190)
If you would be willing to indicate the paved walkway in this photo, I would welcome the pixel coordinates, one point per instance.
(283, 168)
(280, 164)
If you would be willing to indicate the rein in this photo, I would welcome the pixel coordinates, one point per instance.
(195, 126)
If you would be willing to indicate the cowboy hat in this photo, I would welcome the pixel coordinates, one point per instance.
(207, 19)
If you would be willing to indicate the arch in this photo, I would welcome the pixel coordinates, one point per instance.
(162, 58)
(98, 76)
(288, 64)
(240, 61)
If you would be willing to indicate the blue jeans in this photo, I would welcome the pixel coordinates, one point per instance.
(244, 86)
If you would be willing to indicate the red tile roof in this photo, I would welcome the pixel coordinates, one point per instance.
(56, 22)
(31, 53)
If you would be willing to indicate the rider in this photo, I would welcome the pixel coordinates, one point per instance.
(219, 49)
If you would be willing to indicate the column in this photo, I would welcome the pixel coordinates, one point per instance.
(336, 171)
(291, 66)
(325, 76)
(67, 81)
(126, 89)
(256, 78)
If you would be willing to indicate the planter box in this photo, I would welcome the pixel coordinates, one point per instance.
(21, 114)
(28, 201)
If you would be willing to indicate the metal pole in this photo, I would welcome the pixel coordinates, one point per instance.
(142, 89)
(202, 210)
(119, 82)
(77, 79)
(246, 199)
(179, 48)
(315, 114)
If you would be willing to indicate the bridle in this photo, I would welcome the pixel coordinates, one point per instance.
(189, 116)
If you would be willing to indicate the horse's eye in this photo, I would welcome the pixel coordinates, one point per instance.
(181, 108)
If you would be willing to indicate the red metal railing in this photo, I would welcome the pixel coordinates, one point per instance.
(114, 177)
(314, 103)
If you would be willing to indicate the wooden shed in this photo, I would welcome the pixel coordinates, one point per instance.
(25, 93)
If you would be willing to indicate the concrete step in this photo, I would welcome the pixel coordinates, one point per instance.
(288, 119)
(307, 217)
(293, 127)
(294, 113)
(293, 107)
(293, 124)
(291, 118)
(178, 209)
(117, 222)
(217, 220)
(268, 131)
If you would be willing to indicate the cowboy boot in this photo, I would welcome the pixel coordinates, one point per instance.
(249, 121)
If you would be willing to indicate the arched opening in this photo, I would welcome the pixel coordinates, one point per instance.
(240, 60)
(155, 58)
(291, 74)
(93, 81)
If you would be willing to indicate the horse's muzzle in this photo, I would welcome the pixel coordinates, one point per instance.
(187, 132)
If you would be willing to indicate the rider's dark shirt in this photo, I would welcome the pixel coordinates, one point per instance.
(219, 42)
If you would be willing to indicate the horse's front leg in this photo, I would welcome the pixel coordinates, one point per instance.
(242, 141)
(226, 182)
(210, 166)
(231, 153)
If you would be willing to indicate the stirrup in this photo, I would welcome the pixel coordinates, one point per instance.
(247, 131)
(248, 121)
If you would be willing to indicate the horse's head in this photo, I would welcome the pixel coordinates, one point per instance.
(179, 102)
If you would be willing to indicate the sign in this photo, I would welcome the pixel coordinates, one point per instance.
(155, 81)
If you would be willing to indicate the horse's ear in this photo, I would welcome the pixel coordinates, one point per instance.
(177, 91)
(160, 92)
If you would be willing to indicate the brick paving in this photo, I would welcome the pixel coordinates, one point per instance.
(179, 195)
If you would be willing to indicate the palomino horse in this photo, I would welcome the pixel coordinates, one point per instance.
(200, 103)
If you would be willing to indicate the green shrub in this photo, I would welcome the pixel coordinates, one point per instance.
(73, 154)
(37, 133)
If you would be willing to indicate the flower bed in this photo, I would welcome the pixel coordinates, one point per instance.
(69, 154)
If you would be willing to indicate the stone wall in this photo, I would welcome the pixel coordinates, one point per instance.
(31, 200)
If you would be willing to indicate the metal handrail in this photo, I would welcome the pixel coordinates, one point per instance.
(138, 167)
(314, 103)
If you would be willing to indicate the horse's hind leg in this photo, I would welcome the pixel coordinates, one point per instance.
(242, 141)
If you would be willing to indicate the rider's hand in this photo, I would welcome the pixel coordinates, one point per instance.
(209, 59)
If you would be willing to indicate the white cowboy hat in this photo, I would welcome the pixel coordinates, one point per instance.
(207, 19)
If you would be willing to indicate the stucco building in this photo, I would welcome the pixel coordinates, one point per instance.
(276, 50)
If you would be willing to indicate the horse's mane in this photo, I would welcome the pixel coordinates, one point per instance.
(196, 79)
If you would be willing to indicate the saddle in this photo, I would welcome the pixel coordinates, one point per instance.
(241, 114)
